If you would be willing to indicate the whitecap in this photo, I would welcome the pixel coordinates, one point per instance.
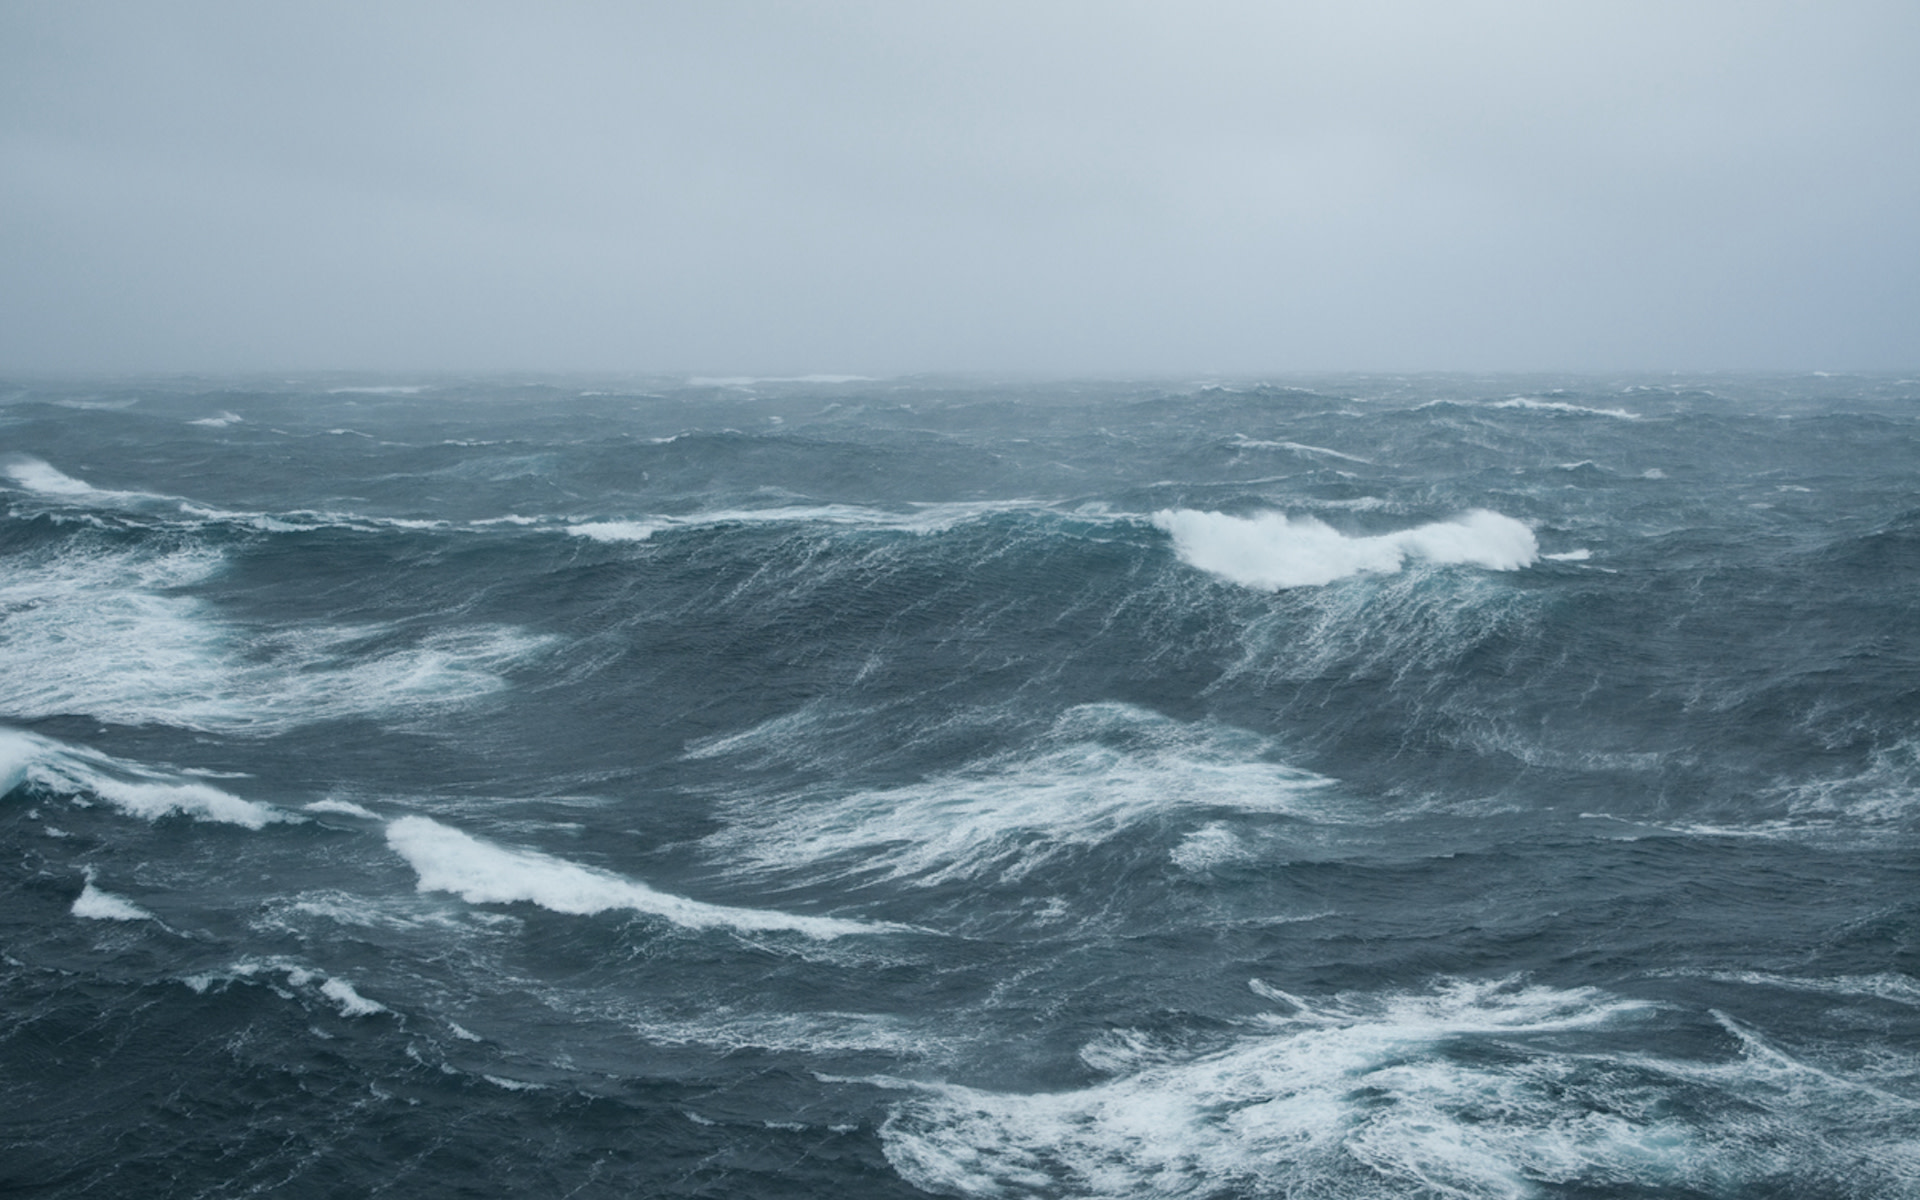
(1271, 551)
(616, 531)
(96, 905)
(133, 788)
(46, 480)
(1562, 406)
(108, 633)
(351, 1002)
(447, 860)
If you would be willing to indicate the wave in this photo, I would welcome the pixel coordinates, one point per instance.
(133, 788)
(1271, 551)
(743, 381)
(1620, 414)
(447, 860)
(1247, 443)
(44, 479)
(49, 483)
(1101, 770)
(1470, 1090)
(104, 631)
(92, 904)
(340, 994)
(920, 518)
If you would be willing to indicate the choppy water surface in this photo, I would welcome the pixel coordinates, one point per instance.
(1487, 787)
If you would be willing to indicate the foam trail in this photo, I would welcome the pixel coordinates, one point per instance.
(1247, 443)
(1009, 815)
(448, 860)
(1271, 551)
(130, 787)
(1619, 414)
(923, 518)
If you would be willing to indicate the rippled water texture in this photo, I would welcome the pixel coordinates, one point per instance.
(1430, 786)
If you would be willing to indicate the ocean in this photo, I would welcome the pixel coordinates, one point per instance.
(1345, 786)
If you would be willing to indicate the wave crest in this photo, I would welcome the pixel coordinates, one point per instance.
(1271, 551)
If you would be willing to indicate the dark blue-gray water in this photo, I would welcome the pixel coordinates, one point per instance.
(1485, 787)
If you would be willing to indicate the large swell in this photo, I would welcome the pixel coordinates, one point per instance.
(1411, 786)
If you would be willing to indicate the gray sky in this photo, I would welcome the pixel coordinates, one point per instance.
(1199, 186)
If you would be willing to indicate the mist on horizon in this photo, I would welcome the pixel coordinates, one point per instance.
(741, 188)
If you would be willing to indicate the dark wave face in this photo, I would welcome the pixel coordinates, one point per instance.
(1442, 786)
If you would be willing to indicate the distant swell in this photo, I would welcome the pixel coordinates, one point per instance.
(1272, 551)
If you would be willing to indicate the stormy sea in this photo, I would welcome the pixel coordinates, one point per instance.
(1348, 786)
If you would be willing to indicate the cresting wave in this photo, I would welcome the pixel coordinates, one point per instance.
(130, 787)
(1272, 551)
(447, 860)
(108, 631)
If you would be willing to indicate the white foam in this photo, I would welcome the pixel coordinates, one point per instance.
(220, 422)
(918, 518)
(1247, 443)
(345, 808)
(1209, 846)
(1570, 556)
(106, 632)
(352, 1003)
(130, 787)
(1562, 406)
(1289, 1112)
(45, 480)
(616, 531)
(1011, 814)
(1897, 989)
(1271, 551)
(96, 905)
(448, 860)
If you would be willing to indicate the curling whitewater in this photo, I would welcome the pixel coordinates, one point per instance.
(827, 787)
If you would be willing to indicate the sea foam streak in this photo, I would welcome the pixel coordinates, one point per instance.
(130, 787)
(921, 518)
(106, 632)
(1010, 814)
(448, 860)
(1272, 551)
(1471, 1090)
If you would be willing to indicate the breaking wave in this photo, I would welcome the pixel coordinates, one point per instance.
(447, 860)
(1272, 551)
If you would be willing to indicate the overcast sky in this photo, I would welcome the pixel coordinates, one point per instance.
(1112, 187)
